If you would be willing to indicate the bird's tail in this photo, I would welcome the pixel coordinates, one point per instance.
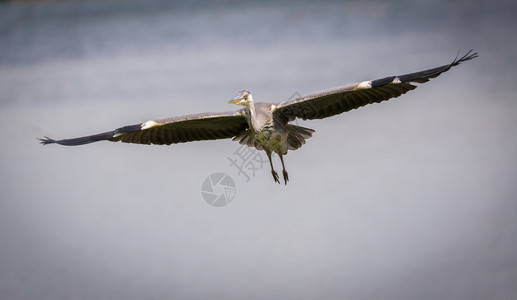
(246, 138)
(297, 136)
(295, 139)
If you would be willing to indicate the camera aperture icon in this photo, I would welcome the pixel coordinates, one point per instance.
(218, 189)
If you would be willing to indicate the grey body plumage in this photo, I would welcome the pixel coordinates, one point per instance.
(265, 126)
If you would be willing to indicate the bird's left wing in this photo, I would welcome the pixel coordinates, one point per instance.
(198, 127)
(341, 99)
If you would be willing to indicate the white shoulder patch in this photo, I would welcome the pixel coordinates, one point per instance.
(364, 85)
(396, 80)
(149, 124)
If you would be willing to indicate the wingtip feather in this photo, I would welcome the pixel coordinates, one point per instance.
(46, 140)
(467, 56)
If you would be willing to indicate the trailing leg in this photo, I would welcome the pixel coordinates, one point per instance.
(273, 171)
(284, 171)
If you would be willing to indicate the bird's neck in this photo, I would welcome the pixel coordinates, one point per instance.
(253, 122)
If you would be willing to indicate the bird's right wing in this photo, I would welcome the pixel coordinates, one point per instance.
(198, 127)
(354, 95)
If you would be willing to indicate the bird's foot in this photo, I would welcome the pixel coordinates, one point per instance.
(286, 178)
(275, 176)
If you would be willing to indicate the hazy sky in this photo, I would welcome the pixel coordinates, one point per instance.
(413, 198)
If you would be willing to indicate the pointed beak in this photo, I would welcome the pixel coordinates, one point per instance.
(235, 100)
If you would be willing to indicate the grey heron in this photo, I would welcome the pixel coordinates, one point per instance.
(262, 125)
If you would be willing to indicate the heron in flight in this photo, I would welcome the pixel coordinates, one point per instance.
(262, 125)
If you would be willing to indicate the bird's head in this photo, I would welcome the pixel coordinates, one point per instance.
(243, 98)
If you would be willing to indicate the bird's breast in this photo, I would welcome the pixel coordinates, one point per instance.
(270, 139)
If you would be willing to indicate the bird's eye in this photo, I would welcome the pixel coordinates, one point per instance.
(245, 97)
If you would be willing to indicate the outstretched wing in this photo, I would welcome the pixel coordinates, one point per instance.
(334, 101)
(198, 127)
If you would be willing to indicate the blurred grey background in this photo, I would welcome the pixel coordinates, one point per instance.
(414, 198)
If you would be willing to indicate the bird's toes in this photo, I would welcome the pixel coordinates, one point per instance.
(286, 177)
(275, 176)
